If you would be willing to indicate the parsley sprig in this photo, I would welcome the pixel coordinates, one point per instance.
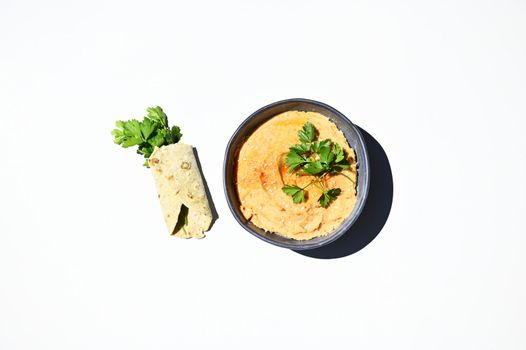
(153, 131)
(316, 158)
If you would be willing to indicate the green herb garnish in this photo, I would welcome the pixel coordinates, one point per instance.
(316, 158)
(152, 132)
(182, 220)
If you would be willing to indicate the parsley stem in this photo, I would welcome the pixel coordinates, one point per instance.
(348, 177)
(310, 183)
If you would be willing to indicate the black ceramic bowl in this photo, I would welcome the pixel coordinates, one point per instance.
(259, 117)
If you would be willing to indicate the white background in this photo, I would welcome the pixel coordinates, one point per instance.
(85, 262)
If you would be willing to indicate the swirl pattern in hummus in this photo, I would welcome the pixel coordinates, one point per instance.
(261, 173)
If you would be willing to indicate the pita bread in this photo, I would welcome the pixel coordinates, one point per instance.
(181, 190)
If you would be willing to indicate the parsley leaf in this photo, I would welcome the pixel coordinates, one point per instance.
(145, 150)
(301, 148)
(291, 190)
(132, 128)
(308, 133)
(176, 134)
(158, 139)
(157, 115)
(326, 155)
(337, 168)
(153, 131)
(315, 146)
(297, 193)
(294, 160)
(130, 141)
(147, 127)
(299, 197)
(329, 196)
(313, 168)
(338, 153)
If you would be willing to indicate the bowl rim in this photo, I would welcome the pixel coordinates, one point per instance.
(345, 226)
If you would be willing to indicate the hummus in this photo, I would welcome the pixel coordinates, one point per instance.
(262, 172)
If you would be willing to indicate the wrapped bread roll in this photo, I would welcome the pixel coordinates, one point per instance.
(181, 190)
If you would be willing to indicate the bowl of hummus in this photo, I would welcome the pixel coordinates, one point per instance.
(296, 174)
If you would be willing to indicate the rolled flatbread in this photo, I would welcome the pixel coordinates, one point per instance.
(181, 190)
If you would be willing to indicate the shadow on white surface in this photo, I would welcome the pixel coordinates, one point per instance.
(215, 216)
(374, 214)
